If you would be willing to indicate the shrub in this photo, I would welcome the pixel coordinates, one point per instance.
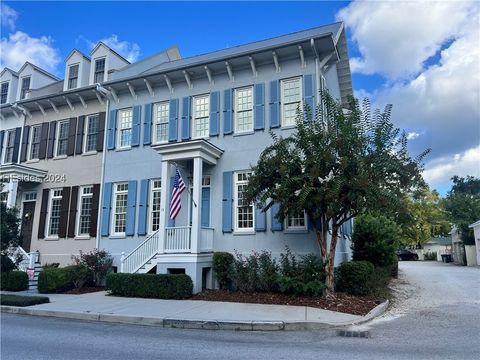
(98, 262)
(14, 281)
(375, 239)
(6, 264)
(394, 269)
(224, 269)
(430, 256)
(160, 286)
(78, 274)
(54, 280)
(267, 272)
(17, 300)
(354, 277)
(51, 265)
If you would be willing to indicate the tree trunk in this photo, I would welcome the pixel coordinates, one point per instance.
(329, 266)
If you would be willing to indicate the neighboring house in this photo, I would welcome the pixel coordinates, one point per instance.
(441, 245)
(210, 116)
(58, 155)
(476, 233)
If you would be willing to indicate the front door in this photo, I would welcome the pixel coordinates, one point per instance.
(27, 224)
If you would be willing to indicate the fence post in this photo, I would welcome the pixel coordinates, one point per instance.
(122, 260)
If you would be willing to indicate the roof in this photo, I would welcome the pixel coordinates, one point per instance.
(38, 69)
(76, 51)
(441, 240)
(10, 71)
(475, 224)
(100, 43)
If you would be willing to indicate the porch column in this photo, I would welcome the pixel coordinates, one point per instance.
(197, 191)
(164, 208)
(12, 193)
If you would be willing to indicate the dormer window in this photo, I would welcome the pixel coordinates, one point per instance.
(99, 75)
(25, 87)
(4, 93)
(73, 76)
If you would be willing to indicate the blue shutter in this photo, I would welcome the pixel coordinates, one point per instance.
(214, 113)
(205, 209)
(143, 207)
(136, 114)
(170, 222)
(276, 224)
(260, 220)
(259, 106)
(309, 93)
(173, 121)
(106, 207)
(131, 204)
(274, 104)
(186, 118)
(147, 124)
(2, 134)
(112, 129)
(227, 202)
(227, 112)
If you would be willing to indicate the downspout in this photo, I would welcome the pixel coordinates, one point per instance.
(317, 70)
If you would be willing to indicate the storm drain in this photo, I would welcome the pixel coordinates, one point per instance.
(354, 333)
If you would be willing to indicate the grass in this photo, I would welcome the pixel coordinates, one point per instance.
(19, 300)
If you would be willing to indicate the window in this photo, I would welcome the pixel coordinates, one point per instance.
(244, 110)
(160, 118)
(120, 208)
(62, 138)
(72, 76)
(291, 99)
(30, 196)
(91, 131)
(54, 216)
(25, 87)
(4, 93)
(244, 212)
(34, 142)
(201, 110)
(296, 221)
(125, 128)
(4, 197)
(9, 146)
(155, 193)
(86, 195)
(99, 75)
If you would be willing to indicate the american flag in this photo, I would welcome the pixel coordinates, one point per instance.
(175, 202)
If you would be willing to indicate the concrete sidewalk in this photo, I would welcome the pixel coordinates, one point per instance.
(193, 314)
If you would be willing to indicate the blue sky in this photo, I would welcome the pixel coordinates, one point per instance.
(406, 53)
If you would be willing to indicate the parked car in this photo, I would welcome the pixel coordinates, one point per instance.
(406, 255)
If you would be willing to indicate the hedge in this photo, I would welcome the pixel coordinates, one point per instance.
(14, 281)
(354, 277)
(160, 286)
(223, 269)
(17, 300)
(54, 280)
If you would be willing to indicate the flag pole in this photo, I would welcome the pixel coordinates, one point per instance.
(188, 187)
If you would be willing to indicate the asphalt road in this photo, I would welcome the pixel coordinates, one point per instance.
(436, 316)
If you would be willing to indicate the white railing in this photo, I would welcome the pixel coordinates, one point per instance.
(28, 259)
(177, 239)
(141, 254)
(206, 239)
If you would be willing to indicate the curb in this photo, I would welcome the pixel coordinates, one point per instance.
(194, 324)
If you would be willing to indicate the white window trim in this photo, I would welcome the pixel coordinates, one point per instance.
(30, 141)
(4, 146)
(57, 138)
(150, 204)
(235, 203)
(192, 105)
(282, 102)
(154, 116)
(85, 132)
(236, 112)
(114, 207)
(104, 68)
(79, 211)
(296, 228)
(21, 86)
(49, 213)
(8, 90)
(68, 76)
(119, 130)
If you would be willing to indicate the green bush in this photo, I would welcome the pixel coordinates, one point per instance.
(54, 280)
(394, 269)
(78, 274)
(224, 270)
(375, 239)
(98, 262)
(256, 272)
(354, 277)
(160, 286)
(14, 281)
(17, 300)
(430, 256)
(6, 264)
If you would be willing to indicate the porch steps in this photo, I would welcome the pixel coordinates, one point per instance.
(33, 284)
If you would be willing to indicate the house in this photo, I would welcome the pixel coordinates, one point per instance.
(476, 233)
(209, 116)
(441, 245)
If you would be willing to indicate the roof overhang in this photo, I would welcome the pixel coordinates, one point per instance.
(475, 224)
(188, 150)
(22, 173)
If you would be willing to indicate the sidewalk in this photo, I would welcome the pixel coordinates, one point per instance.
(192, 314)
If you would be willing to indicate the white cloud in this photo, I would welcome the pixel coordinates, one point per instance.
(412, 135)
(20, 47)
(130, 51)
(8, 17)
(439, 171)
(395, 38)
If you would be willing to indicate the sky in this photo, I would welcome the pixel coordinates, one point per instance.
(421, 56)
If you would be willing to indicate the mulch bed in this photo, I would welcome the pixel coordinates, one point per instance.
(84, 290)
(340, 302)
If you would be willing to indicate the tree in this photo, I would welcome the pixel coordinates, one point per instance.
(335, 167)
(9, 234)
(462, 205)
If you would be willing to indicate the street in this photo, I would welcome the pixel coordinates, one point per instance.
(436, 316)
